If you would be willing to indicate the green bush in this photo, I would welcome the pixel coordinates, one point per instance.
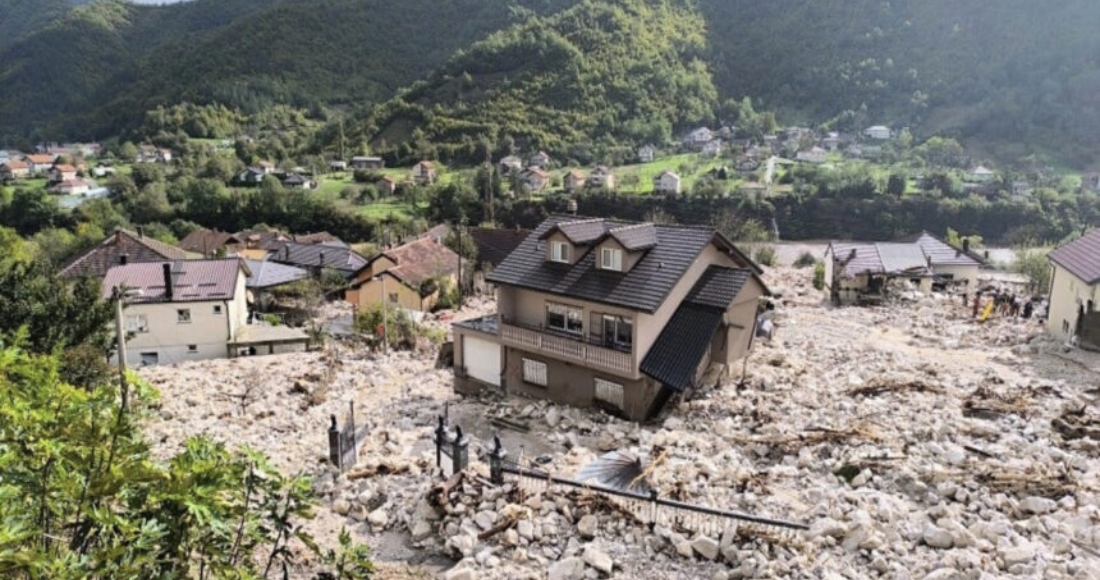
(403, 330)
(819, 276)
(764, 255)
(1032, 262)
(805, 260)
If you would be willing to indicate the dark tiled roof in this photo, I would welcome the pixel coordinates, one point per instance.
(942, 253)
(578, 231)
(635, 237)
(643, 288)
(266, 274)
(879, 258)
(317, 238)
(338, 258)
(718, 286)
(683, 343)
(206, 242)
(494, 244)
(135, 247)
(1081, 257)
(271, 240)
(192, 280)
(420, 260)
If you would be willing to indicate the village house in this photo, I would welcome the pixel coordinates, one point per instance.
(698, 138)
(510, 165)
(335, 166)
(265, 275)
(540, 160)
(297, 181)
(211, 243)
(858, 272)
(534, 179)
(387, 186)
(61, 172)
(122, 247)
(667, 182)
(192, 310)
(251, 176)
(410, 276)
(814, 155)
(71, 187)
(40, 163)
(601, 178)
(318, 257)
(958, 267)
(14, 169)
(625, 316)
(1090, 183)
(153, 154)
(831, 142)
(980, 174)
(364, 162)
(1074, 293)
(878, 132)
(573, 181)
(423, 173)
(712, 148)
(647, 153)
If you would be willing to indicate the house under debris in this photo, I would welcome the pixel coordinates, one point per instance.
(865, 272)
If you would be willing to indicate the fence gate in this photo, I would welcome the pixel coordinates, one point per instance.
(343, 451)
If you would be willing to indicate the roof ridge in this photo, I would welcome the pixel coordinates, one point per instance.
(627, 227)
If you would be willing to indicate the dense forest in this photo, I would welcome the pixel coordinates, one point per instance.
(1010, 78)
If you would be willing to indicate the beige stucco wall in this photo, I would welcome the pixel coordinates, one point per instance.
(371, 293)
(1067, 292)
(968, 273)
(169, 338)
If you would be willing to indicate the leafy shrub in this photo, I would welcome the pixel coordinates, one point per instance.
(805, 260)
(1032, 262)
(403, 330)
(819, 276)
(764, 255)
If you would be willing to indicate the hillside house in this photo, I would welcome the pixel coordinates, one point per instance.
(410, 276)
(40, 163)
(251, 176)
(858, 272)
(573, 181)
(625, 316)
(698, 138)
(601, 178)
(815, 155)
(335, 166)
(192, 310)
(1075, 290)
(61, 172)
(647, 153)
(831, 142)
(153, 154)
(510, 165)
(1090, 183)
(387, 186)
(318, 257)
(667, 182)
(211, 243)
(878, 133)
(364, 162)
(423, 173)
(980, 174)
(712, 148)
(958, 267)
(71, 187)
(534, 179)
(13, 170)
(297, 181)
(540, 160)
(122, 247)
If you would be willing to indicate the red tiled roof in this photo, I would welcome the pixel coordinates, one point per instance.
(1081, 257)
(420, 260)
(13, 165)
(65, 168)
(41, 159)
(136, 248)
(192, 280)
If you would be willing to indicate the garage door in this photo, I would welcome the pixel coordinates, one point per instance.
(482, 359)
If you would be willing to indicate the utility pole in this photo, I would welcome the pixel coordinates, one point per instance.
(120, 337)
(489, 187)
(458, 238)
(385, 318)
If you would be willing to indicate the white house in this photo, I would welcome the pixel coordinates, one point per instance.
(712, 148)
(192, 310)
(815, 155)
(647, 154)
(698, 138)
(666, 182)
(879, 132)
(980, 174)
(601, 177)
(1074, 285)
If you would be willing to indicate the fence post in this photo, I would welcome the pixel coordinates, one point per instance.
(496, 462)
(440, 441)
(459, 451)
(334, 443)
(653, 516)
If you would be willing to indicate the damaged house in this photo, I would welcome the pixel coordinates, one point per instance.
(625, 316)
(858, 272)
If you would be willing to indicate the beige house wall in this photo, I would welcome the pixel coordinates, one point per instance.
(1067, 294)
(170, 339)
(968, 273)
(372, 293)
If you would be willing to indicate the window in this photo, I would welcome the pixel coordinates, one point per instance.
(393, 297)
(137, 323)
(610, 393)
(183, 315)
(149, 358)
(534, 372)
(612, 259)
(559, 252)
(564, 318)
(618, 331)
(192, 349)
(217, 309)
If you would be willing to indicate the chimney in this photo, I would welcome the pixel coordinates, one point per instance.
(321, 257)
(167, 281)
(966, 245)
(141, 231)
(123, 259)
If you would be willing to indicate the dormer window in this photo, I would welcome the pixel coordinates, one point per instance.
(559, 252)
(612, 259)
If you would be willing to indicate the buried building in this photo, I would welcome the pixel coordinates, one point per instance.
(626, 316)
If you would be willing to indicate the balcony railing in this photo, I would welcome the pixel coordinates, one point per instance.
(574, 349)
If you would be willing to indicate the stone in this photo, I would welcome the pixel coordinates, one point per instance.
(1021, 554)
(598, 559)
(341, 507)
(942, 574)
(587, 527)
(571, 568)
(553, 417)
(464, 544)
(683, 547)
(420, 530)
(705, 547)
(358, 513)
(1038, 505)
(525, 529)
(378, 518)
(484, 520)
(459, 572)
(937, 537)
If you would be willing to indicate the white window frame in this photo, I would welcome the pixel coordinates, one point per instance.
(137, 323)
(568, 313)
(534, 372)
(183, 315)
(559, 252)
(611, 259)
(609, 392)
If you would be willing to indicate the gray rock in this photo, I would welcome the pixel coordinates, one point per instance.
(937, 537)
(459, 572)
(484, 520)
(379, 518)
(942, 574)
(525, 529)
(706, 547)
(341, 507)
(587, 527)
(1021, 554)
(358, 513)
(598, 559)
(1038, 505)
(566, 569)
(683, 547)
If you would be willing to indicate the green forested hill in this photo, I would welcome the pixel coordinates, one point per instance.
(1011, 76)
(597, 73)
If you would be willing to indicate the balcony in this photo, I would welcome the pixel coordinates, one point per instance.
(568, 348)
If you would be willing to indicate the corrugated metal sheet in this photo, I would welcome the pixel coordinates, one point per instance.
(901, 257)
(192, 280)
(266, 274)
(1081, 257)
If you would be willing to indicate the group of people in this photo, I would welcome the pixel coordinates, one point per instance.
(1001, 302)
